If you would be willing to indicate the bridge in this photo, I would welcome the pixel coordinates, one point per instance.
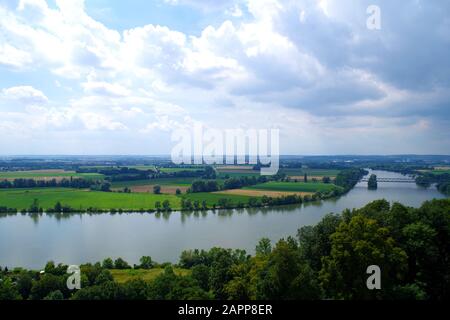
(401, 180)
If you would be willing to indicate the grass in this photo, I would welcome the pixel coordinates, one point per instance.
(294, 186)
(143, 167)
(310, 172)
(82, 199)
(122, 276)
(439, 172)
(41, 174)
(238, 174)
(162, 182)
(213, 198)
(171, 170)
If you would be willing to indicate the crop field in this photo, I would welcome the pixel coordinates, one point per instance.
(82, 199)
(294, 186)
(184, 182)
(261, 193)
(440, 171)
(171, 170)
(213, 198)
(234, 174)
(47, 174)
(122, 276)
(143, 167)
(169, 189)
(311, 172)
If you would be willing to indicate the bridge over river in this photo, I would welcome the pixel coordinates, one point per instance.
(396, 180)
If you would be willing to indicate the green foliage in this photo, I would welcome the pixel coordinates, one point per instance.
(146, 262)
(372, 183)
(119, 263)
(356, 245)
(8, 290)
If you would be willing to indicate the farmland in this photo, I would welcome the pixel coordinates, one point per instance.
(186, 182)
(47, 174)
(213, 198)
(294, 186)
(310, 172)
(82, 199)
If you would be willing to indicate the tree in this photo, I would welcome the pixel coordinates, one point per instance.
(356, 245)
(24, 284)
(264, 247)
(55, 295)
(157, 189)
(47, 284)
(146, 262)
(372, 183)
(108, 263)
(166, 205)
(104, 276)
(326, 180)
(8, 290)
(178, 191)
(305, 178)
(200, 273)
(34, 208)
(158, 205)
(119, 263)
(58, 207)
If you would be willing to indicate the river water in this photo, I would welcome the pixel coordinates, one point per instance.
(31, 242)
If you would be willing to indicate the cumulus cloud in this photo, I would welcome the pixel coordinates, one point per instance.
(24, 94)
(307, 59)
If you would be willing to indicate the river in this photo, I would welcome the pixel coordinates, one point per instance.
(31, 242)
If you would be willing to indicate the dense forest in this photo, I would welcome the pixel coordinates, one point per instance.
(326, 261)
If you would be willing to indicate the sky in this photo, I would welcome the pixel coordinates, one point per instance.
(117, 77)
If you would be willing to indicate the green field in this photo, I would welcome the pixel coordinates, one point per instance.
(213, 198)
(439, 172)
(310, 172)
(184, 182)
(171, 170)
(143, 167)
(82, 199)
(235, 174)
(294, 186)
(122, 276)
(40, 174)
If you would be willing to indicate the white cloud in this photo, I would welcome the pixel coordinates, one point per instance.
(13, 57)
(105, 88)
(25, 94)
(310, 59)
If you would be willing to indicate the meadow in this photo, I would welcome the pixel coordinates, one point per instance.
(122, 276)
(82, 199)
(294, 186)
(310, 172)
(185, 182)
(213, 198)
(41, 174)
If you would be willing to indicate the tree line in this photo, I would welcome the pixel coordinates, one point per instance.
(77, 183)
